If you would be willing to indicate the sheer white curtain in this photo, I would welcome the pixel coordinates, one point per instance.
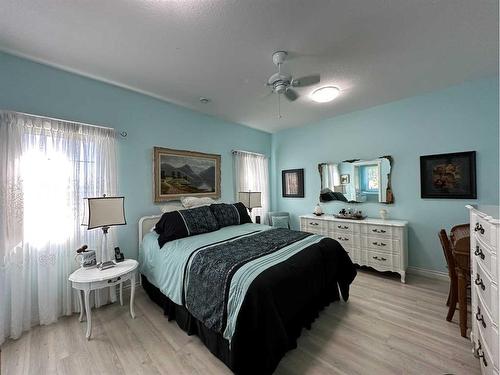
(252, 174)
(47, 167)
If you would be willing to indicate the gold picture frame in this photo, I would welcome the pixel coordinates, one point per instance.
(181, 173)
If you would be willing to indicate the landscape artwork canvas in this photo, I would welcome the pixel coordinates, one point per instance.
(179, 173)
(448, 175)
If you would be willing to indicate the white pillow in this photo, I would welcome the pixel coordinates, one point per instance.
(192, 202)
(171, 206)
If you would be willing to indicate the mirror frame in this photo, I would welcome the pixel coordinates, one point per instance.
(389, 195)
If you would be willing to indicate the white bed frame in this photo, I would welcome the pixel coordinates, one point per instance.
(145, 225)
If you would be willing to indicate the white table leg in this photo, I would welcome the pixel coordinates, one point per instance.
(132, 295)
(82, 306)
(121, 294)
(88, 313)
(403, 277)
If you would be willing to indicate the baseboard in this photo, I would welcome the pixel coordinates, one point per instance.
(428, 273)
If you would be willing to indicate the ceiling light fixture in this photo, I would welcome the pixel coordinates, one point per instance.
(325, 94)
(204, 100)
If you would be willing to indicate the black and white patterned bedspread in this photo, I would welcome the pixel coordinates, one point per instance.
(211, 270)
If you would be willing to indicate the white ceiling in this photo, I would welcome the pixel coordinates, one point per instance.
(376, 51)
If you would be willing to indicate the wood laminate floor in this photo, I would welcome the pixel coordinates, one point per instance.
(385, 328)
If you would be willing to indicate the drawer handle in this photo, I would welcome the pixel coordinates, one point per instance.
(117, 279)
(480, 317)
(379, 244)
(342, 239)
(313, 224)
(479, 281)
(378, 230)
(479, 252)
(342, 227)
(479, 228)
(480, 354)
(381, 258)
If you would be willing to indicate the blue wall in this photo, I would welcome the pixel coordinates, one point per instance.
(463, 117)
(38, 89)
(460, 118)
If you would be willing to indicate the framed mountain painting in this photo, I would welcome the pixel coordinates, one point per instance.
(448, 175)
(179, 173)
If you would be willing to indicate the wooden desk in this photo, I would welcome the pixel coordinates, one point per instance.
(460, 245)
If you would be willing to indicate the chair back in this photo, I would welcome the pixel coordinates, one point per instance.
(448, 253)
(269, 215)
(460, 245)
(460, 238)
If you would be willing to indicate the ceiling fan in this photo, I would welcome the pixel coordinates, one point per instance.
(283, 83)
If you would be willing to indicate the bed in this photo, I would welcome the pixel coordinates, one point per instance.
(252, 314)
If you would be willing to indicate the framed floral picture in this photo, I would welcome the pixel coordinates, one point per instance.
(179, 173)
(292, 183)
(448, 175)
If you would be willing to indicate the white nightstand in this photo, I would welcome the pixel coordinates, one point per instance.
(85, 280)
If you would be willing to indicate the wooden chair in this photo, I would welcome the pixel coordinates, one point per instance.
(460, 246)
(450, 261)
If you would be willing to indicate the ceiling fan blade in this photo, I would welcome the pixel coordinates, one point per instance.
(306, 81)
(291, 95)
(266, 95)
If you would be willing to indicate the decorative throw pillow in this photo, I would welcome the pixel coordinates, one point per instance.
(193, 202)
(184, 223)
(280, 222)
(230, 214)
(242, 210)
(225, 214)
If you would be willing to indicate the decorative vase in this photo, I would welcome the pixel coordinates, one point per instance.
(318, 210)
(383, 214)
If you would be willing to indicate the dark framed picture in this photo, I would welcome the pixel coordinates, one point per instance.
(345, 179)
(179, 173)
(292, 183)
(448, 175)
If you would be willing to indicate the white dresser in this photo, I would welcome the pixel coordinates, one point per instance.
(484, 241)
(381, 244)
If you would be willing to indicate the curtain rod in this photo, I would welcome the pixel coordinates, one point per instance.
(247, 152)
(57, 119)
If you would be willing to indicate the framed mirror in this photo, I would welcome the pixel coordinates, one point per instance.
(357, 180)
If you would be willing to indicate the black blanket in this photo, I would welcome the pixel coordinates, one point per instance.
(211, 271)
(279, 303)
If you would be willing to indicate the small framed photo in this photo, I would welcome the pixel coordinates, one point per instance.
(345, 179)
(292, 183)
(450, 176)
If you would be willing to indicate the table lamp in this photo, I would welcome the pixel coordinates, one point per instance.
(104, 212)
(251, 199)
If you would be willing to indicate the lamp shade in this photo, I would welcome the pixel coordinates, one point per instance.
(104, 212)
(251, 199)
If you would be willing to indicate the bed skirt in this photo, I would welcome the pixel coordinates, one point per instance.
(245, 355)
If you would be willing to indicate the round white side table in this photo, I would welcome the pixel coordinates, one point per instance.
(86, 280)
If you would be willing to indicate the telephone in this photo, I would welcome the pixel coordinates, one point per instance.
(119, 255)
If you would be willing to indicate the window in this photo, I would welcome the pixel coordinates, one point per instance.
(369, 179)
(251, 174)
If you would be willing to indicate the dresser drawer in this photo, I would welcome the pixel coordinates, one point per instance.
(314, 226)
(482, 352)
(486, 290)
(346, 240)
(484, 256)
(340, 227)
(379, 231)
(378, 259)
(483, 230)
(110, 282)
(489, 331)
(382, 245)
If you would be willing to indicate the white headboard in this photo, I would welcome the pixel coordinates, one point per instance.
(145, 225)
